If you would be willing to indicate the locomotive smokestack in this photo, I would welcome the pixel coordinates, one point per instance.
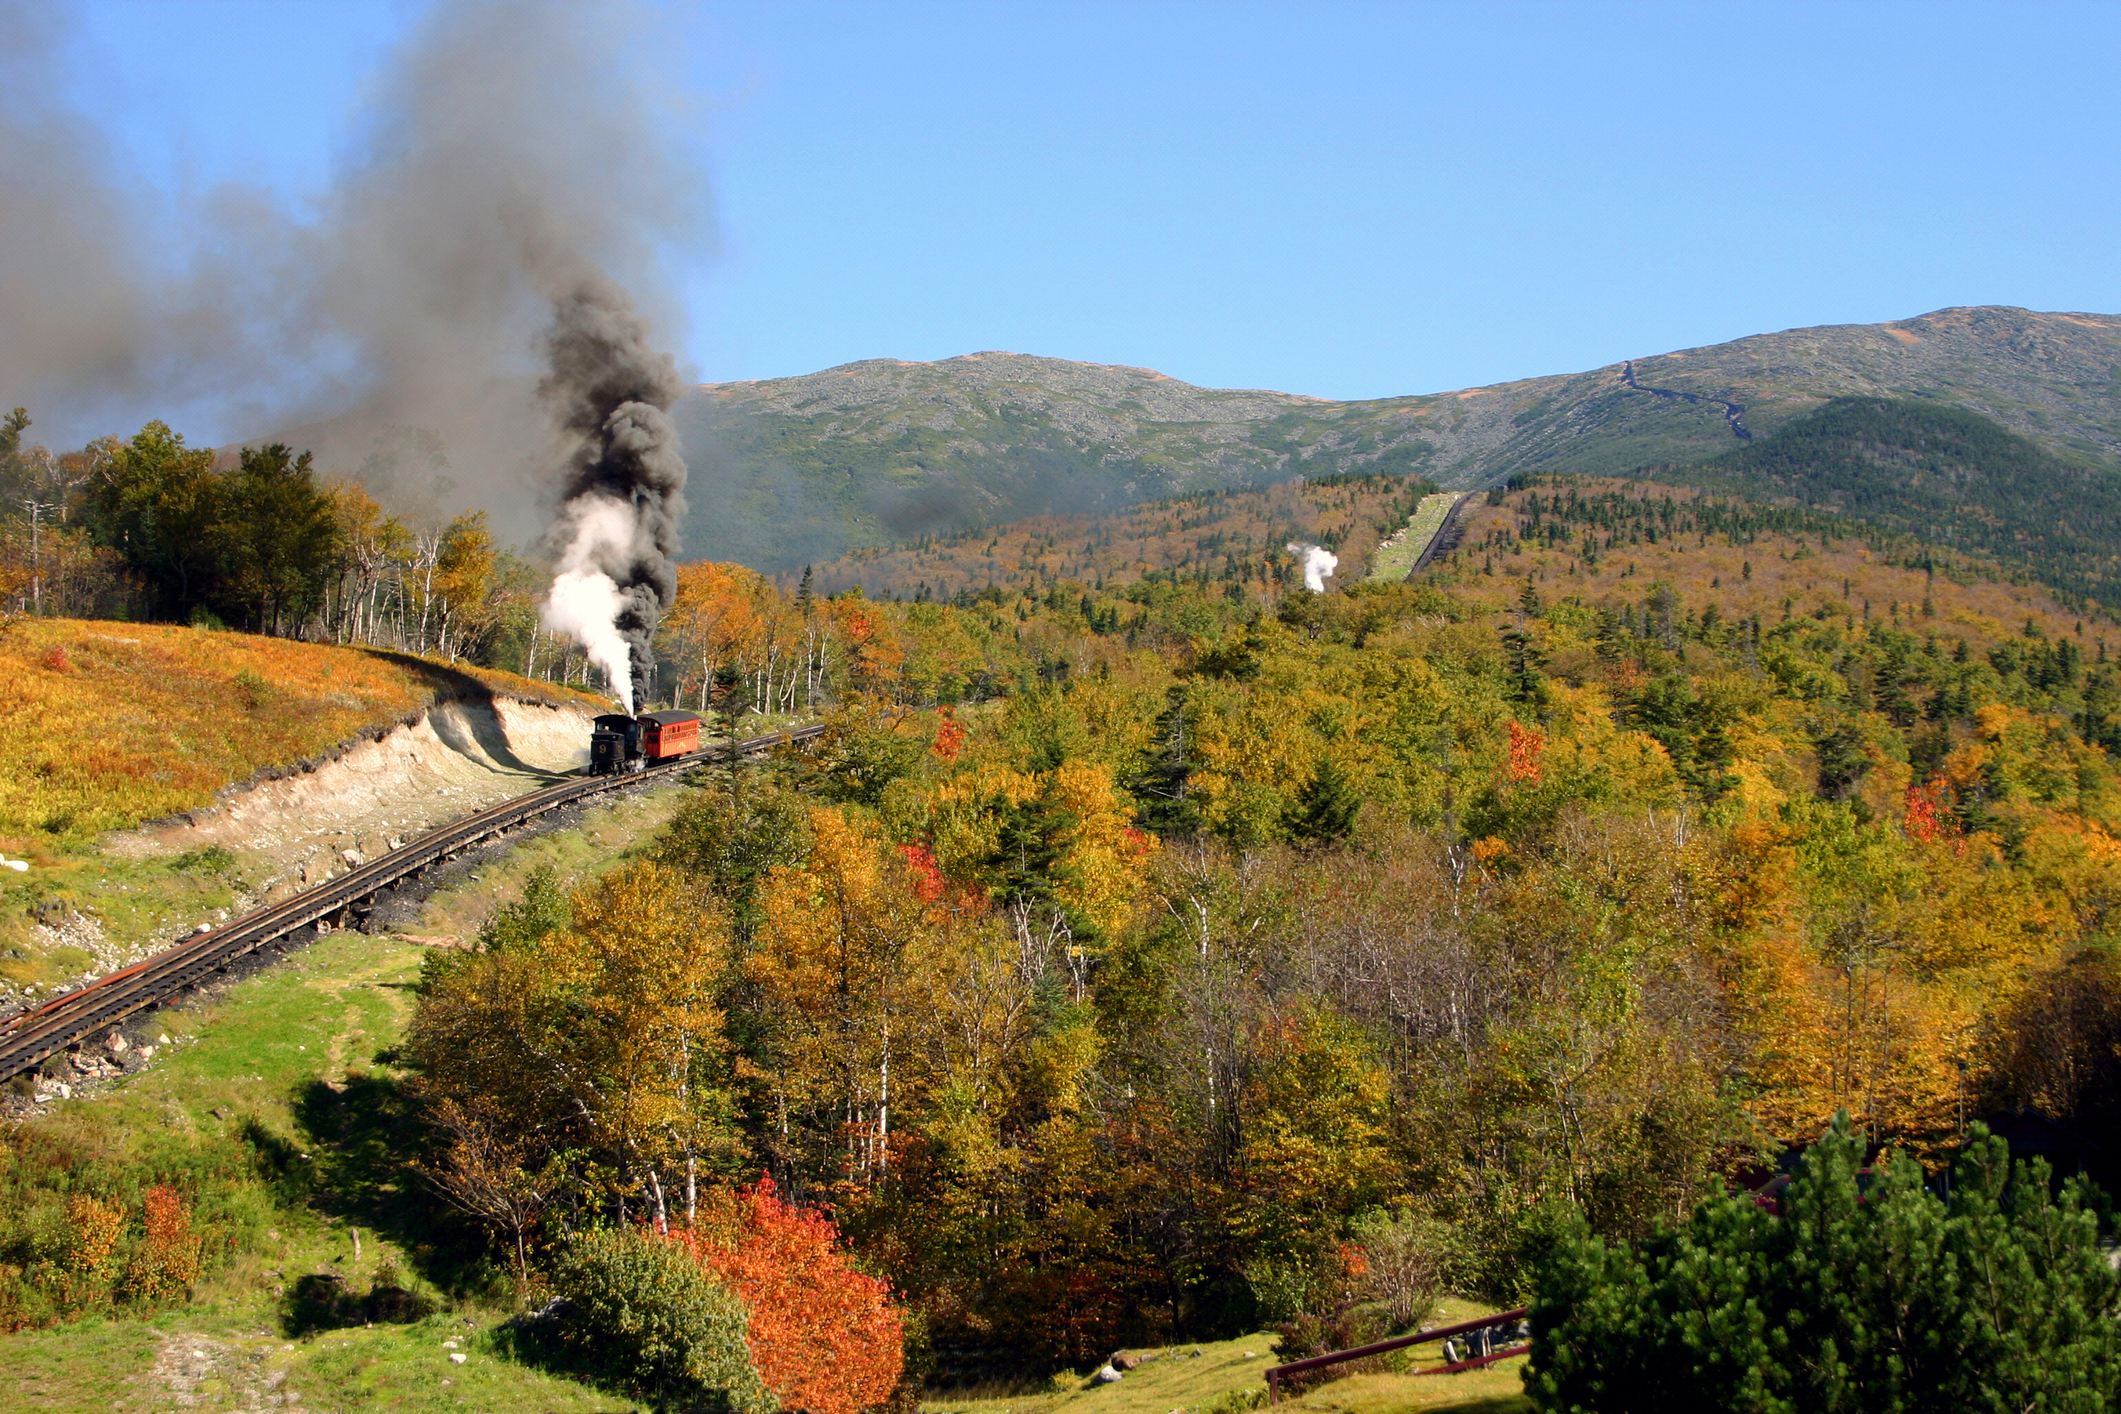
(616, 540)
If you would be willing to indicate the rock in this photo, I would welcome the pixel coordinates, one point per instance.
(1123, 1361)
(353, 857)
(222, 1113)
(116, 1042)
(457, 1357)
(1106, 1375)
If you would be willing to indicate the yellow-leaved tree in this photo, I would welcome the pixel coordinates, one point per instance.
(593, 1028)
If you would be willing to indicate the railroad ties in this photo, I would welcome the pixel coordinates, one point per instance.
(32, 1035)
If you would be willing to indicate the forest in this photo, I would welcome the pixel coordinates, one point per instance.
(1124, 969)
(1153, 950)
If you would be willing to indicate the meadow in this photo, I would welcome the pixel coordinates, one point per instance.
(108, 724)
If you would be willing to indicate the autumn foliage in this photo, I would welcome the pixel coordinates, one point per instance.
(1527, 746)
(825, 1337)
(168, 1260)
(1044, 971)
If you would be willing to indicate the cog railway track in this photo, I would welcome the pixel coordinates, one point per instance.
(33, 1035)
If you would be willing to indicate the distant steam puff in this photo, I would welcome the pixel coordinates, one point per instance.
(1318, 562)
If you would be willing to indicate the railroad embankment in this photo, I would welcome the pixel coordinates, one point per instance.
(159, 777)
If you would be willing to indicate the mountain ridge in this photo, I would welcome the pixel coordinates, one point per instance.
(796, 469)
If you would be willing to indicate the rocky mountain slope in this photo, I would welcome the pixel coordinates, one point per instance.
(793, 470)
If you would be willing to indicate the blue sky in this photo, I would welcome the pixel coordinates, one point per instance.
(1341, 200)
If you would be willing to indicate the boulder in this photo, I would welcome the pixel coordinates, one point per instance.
(1124, 1361)
(1106, 1375)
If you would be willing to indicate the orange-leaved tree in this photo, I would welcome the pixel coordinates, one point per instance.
(824, 1337)
(169, 1260)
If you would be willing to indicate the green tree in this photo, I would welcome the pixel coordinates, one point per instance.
(276, 539)
(646, 1315)
(159, 505)
(1325, 808)
(1865, 1293)
(1164, 784)
(1522, 660)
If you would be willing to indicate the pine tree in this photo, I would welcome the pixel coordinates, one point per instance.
(1164, 783)
(1325, 808)
(1853, 1296)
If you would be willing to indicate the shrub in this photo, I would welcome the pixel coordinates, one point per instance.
(826, 1337)
(648, 1316)
(95, 1226)
(1404, 1263)
(1852, 1299)
(168, 1260)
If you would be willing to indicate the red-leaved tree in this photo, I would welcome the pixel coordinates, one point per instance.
(825, 1337)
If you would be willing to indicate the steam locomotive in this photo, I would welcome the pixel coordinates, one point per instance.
(621, 745)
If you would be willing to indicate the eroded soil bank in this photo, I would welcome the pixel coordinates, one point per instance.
(141, 889)
(299, 830)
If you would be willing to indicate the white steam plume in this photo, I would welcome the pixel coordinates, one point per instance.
(585, 602)
(1318, 562)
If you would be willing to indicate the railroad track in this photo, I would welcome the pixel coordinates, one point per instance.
(30, 1036)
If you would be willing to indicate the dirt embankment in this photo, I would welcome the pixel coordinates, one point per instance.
(372, 796)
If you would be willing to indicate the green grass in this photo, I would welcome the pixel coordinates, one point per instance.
(261, 1056)
(139, 905)
(270, 1107)
(1396, 559)
(1226, 1374)
(91, 1365)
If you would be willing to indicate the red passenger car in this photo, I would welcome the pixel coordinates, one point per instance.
(665, 735)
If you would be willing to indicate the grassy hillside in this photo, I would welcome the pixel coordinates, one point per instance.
(798, 470)
(1943, 475)
(270, 1110)
(108, 724)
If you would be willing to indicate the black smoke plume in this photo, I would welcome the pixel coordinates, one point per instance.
(616, 540)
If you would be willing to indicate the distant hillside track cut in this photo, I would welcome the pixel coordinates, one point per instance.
(32, 1035)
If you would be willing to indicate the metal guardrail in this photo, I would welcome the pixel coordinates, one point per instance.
(1277, 1373)
(31, 1035)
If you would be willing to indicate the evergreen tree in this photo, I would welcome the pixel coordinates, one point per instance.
(1521, 664)
(1868, 1298)
(1164, 783)
(1325, 808)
